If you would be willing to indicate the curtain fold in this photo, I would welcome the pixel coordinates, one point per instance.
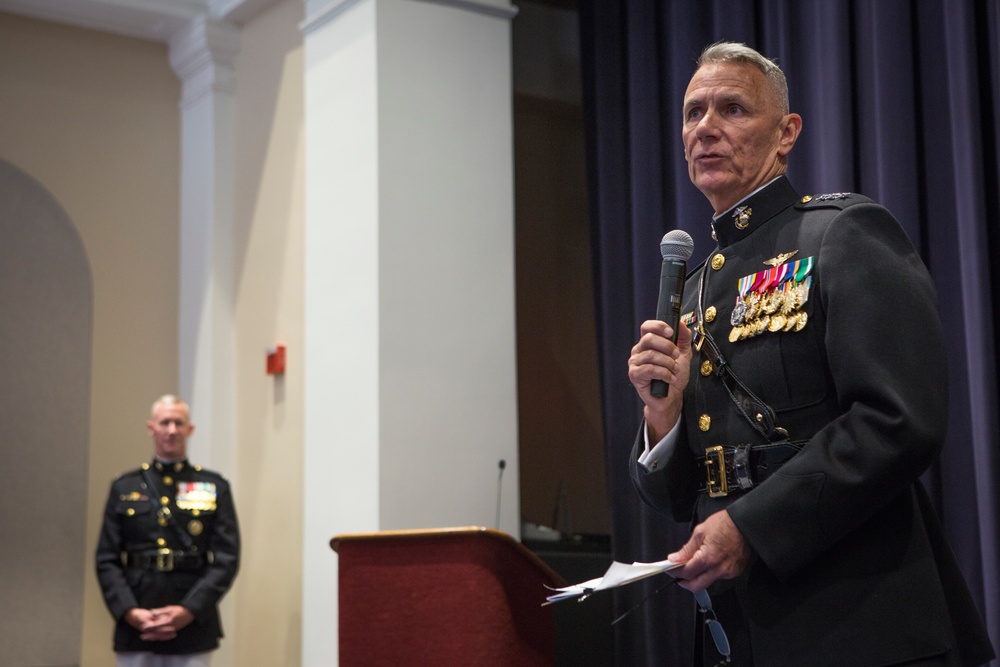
(901, 102)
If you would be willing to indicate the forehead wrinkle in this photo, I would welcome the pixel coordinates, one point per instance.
(723, 99)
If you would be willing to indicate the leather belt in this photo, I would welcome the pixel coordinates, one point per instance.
(740, 468)
(165, 560)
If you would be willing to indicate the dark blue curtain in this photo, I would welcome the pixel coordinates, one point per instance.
(900, 101)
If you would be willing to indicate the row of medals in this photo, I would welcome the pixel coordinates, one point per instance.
(778, 310)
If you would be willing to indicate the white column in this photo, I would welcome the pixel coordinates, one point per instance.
(410, 386)
(202, 55)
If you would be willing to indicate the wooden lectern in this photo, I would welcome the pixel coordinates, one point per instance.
(453, 596)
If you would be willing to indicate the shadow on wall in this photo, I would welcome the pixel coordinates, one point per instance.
(46, 312)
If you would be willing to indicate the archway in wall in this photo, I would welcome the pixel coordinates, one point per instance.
(46, 313)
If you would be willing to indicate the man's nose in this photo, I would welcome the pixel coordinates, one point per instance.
(707, 124)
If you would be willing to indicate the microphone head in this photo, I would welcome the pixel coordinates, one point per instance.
(677, 244)
(502, 464)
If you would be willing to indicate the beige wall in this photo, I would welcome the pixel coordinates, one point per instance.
(94, 117)
(268, 251)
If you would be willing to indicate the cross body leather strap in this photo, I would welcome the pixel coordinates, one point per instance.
(164, 511)
(757, 413)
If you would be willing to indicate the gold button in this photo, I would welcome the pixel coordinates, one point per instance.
(807, 199)
(706, 368)
(160, 542)
(130, 511)
(718, 261)
(168, 480)
(710, 313)
(195, 512)
(164, 500)
(704, 422)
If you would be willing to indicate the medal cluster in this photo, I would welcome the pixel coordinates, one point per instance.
(772, 301)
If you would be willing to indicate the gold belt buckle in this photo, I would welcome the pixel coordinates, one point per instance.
(165, 560)
(715, 471)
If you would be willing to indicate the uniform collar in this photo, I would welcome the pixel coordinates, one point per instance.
(169, 466)
(752, 212)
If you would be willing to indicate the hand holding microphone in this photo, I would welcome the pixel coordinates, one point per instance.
(676, 248)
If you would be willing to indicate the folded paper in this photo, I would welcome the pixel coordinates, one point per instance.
(618, 574)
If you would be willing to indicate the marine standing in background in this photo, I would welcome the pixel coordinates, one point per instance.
(807, 394)
(168, 551)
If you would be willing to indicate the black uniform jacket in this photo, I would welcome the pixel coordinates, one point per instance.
(190, 512)
(851, 566)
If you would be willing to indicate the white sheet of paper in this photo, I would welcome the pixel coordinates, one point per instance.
(618, 574)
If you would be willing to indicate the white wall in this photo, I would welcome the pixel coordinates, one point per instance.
(409, 300)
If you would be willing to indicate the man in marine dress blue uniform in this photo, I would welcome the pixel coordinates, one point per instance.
(168, 551)
(807, 393)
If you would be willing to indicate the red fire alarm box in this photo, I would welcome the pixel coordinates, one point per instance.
(276, 360)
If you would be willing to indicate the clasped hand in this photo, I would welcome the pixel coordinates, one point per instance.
(159, 624)
(656, 357)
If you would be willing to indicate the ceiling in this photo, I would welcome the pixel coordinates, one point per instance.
(154, 20)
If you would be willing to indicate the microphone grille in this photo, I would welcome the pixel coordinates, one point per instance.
(677, 244)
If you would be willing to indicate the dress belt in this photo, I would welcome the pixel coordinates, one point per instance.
(740, 468)
(165, 560)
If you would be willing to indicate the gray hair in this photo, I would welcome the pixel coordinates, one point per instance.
(734, 52)
(167, 399)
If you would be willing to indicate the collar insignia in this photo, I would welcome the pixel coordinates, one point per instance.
(741, 216)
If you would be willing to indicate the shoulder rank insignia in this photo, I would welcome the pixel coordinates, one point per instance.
(831, 196)
(781, 259)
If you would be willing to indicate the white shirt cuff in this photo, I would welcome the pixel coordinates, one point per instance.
(652, 458)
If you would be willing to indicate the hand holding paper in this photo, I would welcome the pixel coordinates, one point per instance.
(618, 574)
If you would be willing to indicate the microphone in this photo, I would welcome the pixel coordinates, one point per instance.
(676, 248)
(501, 464)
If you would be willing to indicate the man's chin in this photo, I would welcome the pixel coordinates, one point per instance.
(712, 180)
(713, 188)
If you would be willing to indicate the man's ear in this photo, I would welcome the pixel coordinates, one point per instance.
(789, 128)
(150, 427)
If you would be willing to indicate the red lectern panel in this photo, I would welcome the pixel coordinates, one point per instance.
(453, 596)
